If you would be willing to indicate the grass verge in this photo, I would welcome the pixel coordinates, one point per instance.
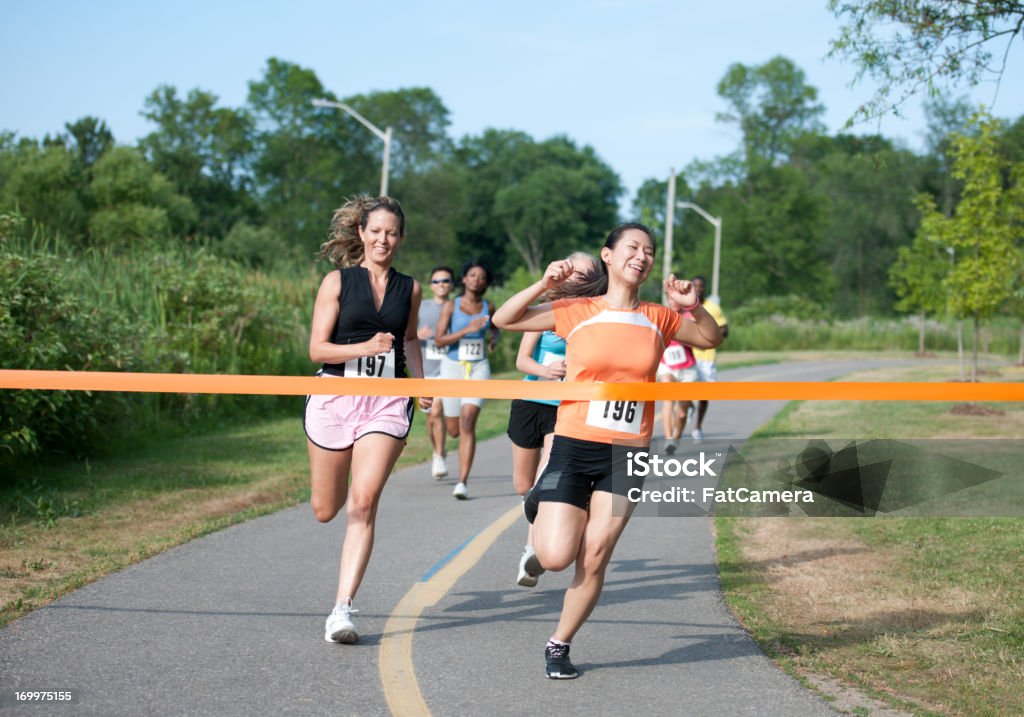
(923, 613)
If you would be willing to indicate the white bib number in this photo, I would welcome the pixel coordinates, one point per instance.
(435, 352)
(546, 360)
(379, 366)
(675, 355)
(622, 416)
(471, 349)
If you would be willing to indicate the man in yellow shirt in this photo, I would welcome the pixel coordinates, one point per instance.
(706, 370)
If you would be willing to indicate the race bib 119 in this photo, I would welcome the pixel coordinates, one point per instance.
(435, 352)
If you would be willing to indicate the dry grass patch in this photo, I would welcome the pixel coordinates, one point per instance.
(923, 612)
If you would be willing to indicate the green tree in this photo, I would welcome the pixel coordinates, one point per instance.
(912, 45)
(300, 169)
(867, 188)
(984, 229)
(45, 185)
(772, 105)
(918, 276)
(134, 202)
(206, 151)
(542, 200)
(90, 137)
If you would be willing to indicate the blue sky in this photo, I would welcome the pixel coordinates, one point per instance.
(633, 78)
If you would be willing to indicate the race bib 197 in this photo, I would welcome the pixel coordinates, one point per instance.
(622, 416)
(379, 366)
(471, 349)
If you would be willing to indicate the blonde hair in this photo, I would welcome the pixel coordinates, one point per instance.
(343, 247)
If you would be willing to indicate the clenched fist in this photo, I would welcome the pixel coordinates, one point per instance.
(380, 344)
(682, 292)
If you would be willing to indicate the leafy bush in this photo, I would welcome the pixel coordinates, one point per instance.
(258, 247)
(43, 327)
(767, 307)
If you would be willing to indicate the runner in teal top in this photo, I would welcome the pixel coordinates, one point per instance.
(531, 422)
(549, 349)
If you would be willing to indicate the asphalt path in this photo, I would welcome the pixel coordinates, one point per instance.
(232, 623)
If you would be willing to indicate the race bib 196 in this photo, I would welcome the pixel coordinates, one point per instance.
(379, 366)
(471, 349)
(622, 416)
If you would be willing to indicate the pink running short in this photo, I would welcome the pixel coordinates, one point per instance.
(336, 422)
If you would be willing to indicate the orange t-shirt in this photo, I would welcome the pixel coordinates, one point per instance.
(605, 344)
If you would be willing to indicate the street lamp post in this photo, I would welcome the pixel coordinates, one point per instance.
(670, 220)
(385, 135)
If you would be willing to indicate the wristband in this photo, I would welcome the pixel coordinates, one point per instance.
(692, 307)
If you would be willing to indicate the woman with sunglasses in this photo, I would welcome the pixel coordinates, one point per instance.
(441, 279)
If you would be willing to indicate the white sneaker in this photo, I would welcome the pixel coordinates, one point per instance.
(439, 467)
(339, 627)
(670, 446)
(460, 492)
(698, 435)
(529, 568)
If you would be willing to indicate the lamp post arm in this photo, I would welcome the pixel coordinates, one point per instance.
(710, 219)
(362, 120)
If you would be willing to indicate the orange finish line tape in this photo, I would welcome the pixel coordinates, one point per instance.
(305, 385)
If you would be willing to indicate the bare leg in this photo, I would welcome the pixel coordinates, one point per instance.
(467, 439)
(373, 458)
(524, 468)
(545, 454)
(451, 424)
(702, 408)
(435, 428)
(683, 408)
(328, 472)
(558, 533)
(668, 412)
(595, 551)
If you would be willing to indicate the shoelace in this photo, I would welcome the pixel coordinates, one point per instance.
(344, 609)
(558, 650)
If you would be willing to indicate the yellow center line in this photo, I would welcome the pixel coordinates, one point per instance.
(397, 672)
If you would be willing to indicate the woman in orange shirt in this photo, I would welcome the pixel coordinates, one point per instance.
(577, 510)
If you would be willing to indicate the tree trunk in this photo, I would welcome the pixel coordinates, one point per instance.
(920, 336)
(974, 369)
(960, 345)
(521, 246)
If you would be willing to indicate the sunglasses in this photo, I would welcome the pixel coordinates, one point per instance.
(440, 281)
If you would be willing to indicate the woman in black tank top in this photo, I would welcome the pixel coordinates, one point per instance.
(362, 328)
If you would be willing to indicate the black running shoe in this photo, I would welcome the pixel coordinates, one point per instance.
(531, 504)
(558, 665)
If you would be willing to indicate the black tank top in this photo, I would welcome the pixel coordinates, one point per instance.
(359, 321)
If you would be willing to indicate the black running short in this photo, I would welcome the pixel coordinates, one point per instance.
(529, 422)
(578, 468)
